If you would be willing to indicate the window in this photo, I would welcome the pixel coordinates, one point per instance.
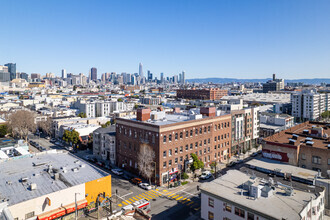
(200, 143)
(170, 137)
(228, 208)
(164, 164)
(211, 215)
(196, 144)
(240, 212)
(170, 162)
(181, 158)
(328, 161)
(303, 156)
(316, 159)
(209, 128)
(205, 142)
(164, 153)
(176, 160)
(191, 146)
(181, 135)
(200, 130)
(250, 216)
(196, 131)
(176, 136)
(211, 202)
(170, 152)
(215, 138)
(205, 130)
(191, 133)
(176, 150)
(187, 134)
(200, 152)
(187, 147)
(209, 140)
(29, 215)
(181, 149)
(215, 147)
(164, 139)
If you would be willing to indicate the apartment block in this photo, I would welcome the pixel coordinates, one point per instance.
(104, 143)
(173, 137)
(204, 94)
(309, 104)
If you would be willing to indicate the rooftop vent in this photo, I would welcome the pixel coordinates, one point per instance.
(310, 143)
(33, 186)
(309, 139)
(305, 131)
(291, 141)
(295, 136)
(24, 179)
(76, 169)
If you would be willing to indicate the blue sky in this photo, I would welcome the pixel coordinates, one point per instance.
(221, 38)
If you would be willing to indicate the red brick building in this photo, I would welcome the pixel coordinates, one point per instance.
(173, 137)
(306, 145)
(204, 94)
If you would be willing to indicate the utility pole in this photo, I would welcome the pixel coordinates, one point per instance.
(76, 207)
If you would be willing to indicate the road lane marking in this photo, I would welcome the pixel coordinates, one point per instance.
(132, 200)
(125, 203)
(120, 205)
(152, 193)
(190, 203)
(149, 197)
(171, 195)
(179, 198)
(197, 208)
(139, 197)
(128, 201)
(144, 197)
(175, 196)
(135, 198)
(165, 190)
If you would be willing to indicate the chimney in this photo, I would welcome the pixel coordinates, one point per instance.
(274, 77)
(143, 114)
(208, 111)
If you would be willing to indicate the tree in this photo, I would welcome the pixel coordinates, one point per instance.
(71, 137)
(82, 115)
(325, 114)
(108, 123)
(90, 141)
(3, 130)
(146, 158)
(196, 164)
(120, 100)
(46, 126)
(22, 123)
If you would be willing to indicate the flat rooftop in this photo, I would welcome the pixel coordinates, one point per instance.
(72, 171)
(278, 206)
(273, 165)
(262, 97)
(309, 134)
(175, 118)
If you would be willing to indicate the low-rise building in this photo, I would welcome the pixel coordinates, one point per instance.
(237, 195)
(305, 145)
(48, 185)
(104, 143)
(271, 123)
(204, 94)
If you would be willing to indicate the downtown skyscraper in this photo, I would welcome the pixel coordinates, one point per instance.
(141, 70)
(11, 70)
(93, 76)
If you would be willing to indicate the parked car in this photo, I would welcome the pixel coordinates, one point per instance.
(118, 172)
(136, 181)
(231, 164)
(240, 161)
(254, 154)
(145, 186)
(205, 175)
(53, 140)
(100, 163)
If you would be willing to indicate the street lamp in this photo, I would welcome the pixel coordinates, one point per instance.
(76, 207)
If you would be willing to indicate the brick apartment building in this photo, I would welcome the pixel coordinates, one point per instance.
(203, 94)
(205, 132)
(306, 145)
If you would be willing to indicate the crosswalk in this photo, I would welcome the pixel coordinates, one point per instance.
(153, 194)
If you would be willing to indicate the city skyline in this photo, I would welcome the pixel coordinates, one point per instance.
(222, 39)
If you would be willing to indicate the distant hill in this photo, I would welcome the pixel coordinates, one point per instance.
(230, 80)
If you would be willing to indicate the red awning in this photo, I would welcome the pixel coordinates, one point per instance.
(62, 210)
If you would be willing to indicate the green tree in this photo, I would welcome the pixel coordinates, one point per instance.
(136, 106)
(82, 115)
(120, 100)
(71, 137)
(196, 164)
(184, 176)
(108, 123)
(325, 114)
(3, 130)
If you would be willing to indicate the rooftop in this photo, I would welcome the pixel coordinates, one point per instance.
(312, 134)
(17, 175)
(281, 203)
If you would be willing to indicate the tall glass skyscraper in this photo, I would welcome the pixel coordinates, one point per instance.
(11, 70)
(141, 70)
(94, 74)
